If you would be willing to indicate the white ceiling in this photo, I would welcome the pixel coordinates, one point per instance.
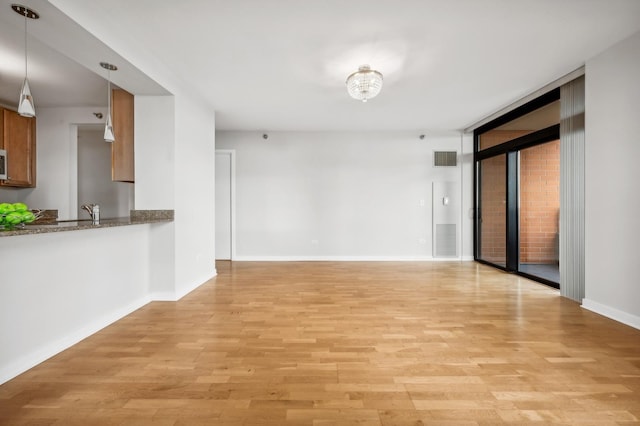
(282, 64)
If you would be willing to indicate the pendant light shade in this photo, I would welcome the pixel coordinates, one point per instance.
(108, 130)
(26, 106)
(109, 136)
(364, 84)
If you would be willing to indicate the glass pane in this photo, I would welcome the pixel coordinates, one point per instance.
(540, 211)
(536, 120)
(493, 212)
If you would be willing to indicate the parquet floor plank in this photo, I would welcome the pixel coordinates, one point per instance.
(335, 343)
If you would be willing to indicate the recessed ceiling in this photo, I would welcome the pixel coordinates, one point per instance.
(282, 64)
(55, 80)
(63, 59)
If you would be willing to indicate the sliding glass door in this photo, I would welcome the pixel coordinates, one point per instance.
(517, 188)
(539, 209)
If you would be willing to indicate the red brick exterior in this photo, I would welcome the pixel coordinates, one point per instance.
(539, 203)
(494, 214)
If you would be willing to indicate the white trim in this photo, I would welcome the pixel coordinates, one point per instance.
(612, 313)
(73, 173)
(163, 296)
(461, 242)
(28, 361)
(547, 88)
(346, 259)
(232, 155)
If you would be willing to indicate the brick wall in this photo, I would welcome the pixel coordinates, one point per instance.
(539, 206)
(539, 203)
(493, 225)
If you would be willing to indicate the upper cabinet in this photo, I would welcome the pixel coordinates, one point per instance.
(122, 158)
(18, 138)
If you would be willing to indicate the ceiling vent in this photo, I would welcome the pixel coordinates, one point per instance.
(445, 158)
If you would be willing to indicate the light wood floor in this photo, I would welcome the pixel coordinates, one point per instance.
(344, 343)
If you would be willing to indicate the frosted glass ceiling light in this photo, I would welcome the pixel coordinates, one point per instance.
(26, 107)
(364, 84)
(108, 126)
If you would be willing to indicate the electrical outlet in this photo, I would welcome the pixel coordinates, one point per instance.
(422, 241)
(315, 242)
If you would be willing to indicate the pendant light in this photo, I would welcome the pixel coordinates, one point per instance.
(26, 107)
(108, 126)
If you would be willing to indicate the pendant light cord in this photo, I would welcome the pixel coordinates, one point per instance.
(109, 92)
(25, 43)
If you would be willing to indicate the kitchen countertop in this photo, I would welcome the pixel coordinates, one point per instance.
(137, 217)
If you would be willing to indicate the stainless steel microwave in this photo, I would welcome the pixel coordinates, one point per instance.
(3, 164)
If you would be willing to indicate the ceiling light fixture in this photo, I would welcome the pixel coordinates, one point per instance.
(108, 126)
(364, 84)
(26, 107)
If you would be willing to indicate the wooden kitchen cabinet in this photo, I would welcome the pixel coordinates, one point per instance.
(18, 138)
(122, 150)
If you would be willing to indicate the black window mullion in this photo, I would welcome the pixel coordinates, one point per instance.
(536, 138)
(513, 234)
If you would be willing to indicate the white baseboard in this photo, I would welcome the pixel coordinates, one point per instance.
(28, 361)
(163, 296)
(612, 313)
(346, 259)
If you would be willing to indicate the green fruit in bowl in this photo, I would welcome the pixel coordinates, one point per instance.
(6, 208)
(28, 217)
(13, 218)
(20, 207)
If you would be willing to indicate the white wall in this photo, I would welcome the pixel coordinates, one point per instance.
(154, 152)
(94, 177)
(194, 195)
(155, 186)
(337, 195)
(468, 208)
(175, 161)
(8, 195)
(612, 174)
(57, 171)
(73, 284)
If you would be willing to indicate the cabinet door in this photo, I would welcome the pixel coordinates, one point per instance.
(122, 160)
(19, 140)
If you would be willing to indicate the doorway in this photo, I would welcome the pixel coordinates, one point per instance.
(225, 209)
(94, 182)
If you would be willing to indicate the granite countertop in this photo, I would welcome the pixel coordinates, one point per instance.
(137, 217)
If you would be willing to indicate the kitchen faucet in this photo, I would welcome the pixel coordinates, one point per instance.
(94, 211)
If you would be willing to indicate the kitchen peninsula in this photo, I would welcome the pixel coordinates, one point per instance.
(62, 282)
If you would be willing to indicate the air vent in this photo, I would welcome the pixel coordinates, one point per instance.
(446, 240)
(445, 158)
